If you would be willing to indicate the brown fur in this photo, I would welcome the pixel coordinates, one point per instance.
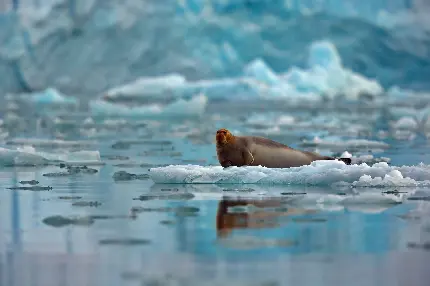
(255, 151)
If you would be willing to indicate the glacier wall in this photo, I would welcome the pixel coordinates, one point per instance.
(89, 46)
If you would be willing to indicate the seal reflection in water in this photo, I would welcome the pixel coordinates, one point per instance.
(258, 151)
(227, 221)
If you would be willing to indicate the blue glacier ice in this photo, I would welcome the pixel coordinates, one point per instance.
(323, 75)
(88, 47)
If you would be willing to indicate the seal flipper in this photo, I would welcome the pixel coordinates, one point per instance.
(248, 158)
(226, 164)
(345, 160)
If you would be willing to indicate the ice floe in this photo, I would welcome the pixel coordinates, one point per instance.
(326, 75)
(319, 173)
(28, 156)
(392, 179)
(405, 123)
(146, 86)
(48, 96)
(180, 108)
(49, 143)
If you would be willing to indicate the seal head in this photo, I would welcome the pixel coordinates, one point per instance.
(223, 137)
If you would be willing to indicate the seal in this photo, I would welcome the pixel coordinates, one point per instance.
(259, 151)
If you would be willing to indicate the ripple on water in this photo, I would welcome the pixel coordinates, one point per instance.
(164, 196)
(32, 188)
(124, 241)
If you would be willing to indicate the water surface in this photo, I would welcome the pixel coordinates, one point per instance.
(101, 226)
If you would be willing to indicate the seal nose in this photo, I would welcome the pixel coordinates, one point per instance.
(220, 136)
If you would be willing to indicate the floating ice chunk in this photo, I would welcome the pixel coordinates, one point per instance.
(147, 86)
(327, 76)
(180, 108)
(368, 159)
(193, 107)
(409, 118)
(50, 96)
(176, 86)
(392, 179)
(51, 143)
(10, 158)
(407, 123)
(228, 88)
(286, 120)
(323, 173)
(353, 143)
(28, 156)
(259, 70)
(346, 154)
(243, 88)
(324, 54)
(88, 122)
(77, 157)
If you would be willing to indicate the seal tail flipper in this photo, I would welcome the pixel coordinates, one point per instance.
(345, 160)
